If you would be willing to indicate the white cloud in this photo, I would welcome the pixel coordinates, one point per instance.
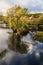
(33, 5)
(3, 6)
(23, 2)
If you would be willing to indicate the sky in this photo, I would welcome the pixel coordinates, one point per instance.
(32, 5)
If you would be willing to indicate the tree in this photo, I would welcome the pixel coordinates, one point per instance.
(1, 16)
(40, 24)
(14, 15)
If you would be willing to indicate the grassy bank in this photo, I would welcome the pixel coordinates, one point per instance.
(38, 36)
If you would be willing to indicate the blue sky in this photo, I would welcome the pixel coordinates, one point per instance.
(32, 5)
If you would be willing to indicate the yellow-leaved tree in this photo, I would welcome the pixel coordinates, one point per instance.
(14, 15)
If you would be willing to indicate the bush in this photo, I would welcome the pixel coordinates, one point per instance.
(38, 36)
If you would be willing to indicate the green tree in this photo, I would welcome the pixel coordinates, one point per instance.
(40, 23)
(1, 17)
(13, 18)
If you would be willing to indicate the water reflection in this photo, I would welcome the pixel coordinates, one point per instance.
(15, 44)
(12, 58)
(35, 58)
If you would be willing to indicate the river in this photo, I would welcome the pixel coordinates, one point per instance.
(33, 57)
(4, 37)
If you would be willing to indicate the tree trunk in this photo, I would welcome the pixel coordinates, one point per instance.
(15, 40)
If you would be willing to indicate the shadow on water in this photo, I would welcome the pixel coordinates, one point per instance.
(2, 54)
(15, 44)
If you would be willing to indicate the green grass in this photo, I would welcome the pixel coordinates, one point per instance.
(38, 36)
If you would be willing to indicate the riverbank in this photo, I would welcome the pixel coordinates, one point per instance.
(38, 36)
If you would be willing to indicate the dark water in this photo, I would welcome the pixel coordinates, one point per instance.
(33, 57)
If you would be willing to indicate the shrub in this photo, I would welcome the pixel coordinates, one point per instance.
(38, 36)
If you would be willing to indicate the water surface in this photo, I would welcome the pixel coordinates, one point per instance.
(4, 37)
(34, 57)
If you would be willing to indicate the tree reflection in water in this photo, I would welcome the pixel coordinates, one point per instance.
(15, 44)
